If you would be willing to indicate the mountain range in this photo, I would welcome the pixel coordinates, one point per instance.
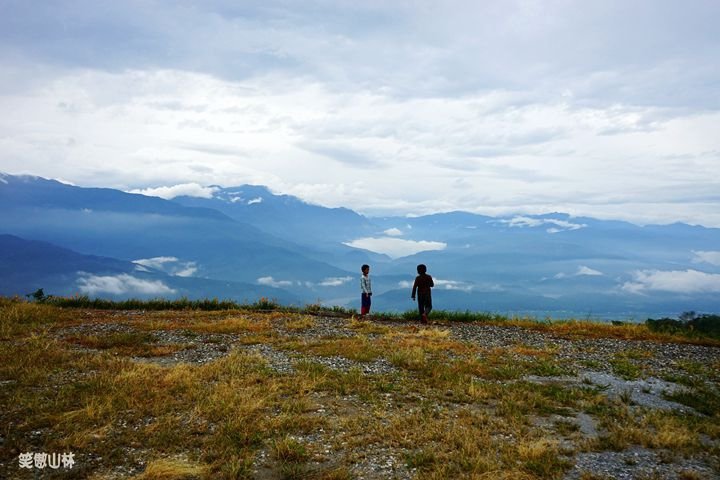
(246, 242)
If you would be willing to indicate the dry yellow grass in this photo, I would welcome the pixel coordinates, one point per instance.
(367, 327)
(428, 339)
(448, 409)
(126, 343)
(532, 351)
(171, 469)
(300, 322)
(585, 329)
(22, 318)
(358, 348)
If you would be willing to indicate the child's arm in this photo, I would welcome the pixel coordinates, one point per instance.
(415, 286)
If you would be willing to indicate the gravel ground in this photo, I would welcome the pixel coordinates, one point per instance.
(661, 357)
(636, 463)
(590, 359)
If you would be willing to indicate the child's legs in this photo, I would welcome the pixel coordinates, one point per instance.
(428, 304)
(364, 304)
(424, 304)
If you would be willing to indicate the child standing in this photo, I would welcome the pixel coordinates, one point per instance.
(366, 289)
(423, 284)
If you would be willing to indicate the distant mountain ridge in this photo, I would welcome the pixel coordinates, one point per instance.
(37, 192)
(282, 215)
(548, 264)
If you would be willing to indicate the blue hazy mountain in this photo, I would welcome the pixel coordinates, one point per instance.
(130, 227)
(321, 231)
(284, 216)
(27, 265)
(526, 263)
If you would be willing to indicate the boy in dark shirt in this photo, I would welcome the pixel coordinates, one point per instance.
(423, 284)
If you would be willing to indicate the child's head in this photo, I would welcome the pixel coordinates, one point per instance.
(421, 269)
(365, 269)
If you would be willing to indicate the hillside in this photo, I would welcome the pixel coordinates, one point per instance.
(268, 394)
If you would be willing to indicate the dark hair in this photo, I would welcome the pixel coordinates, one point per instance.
(421, 268)
(364, 267)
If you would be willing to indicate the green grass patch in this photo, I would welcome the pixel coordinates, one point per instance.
(625, 368)
(549, 368)
(422, 459)
(701, 397)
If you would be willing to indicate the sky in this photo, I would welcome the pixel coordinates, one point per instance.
(602, 108)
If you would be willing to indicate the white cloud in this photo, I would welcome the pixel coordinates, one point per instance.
(675, 281)
(711, 257)
(334, 281)
(123, 284)
(395, 247)
(255, 200)
(169, 265)
(581, 271)
(393, 232)
(155, 262)
(453, 285)
(271, 282)
(523, 222)
(185, 189)
(530, 126)
(560, 225)
(188, 271)
(153, 147)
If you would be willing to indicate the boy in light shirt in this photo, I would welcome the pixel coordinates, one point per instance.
(366, 289)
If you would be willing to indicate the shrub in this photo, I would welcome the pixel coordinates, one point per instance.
(688, 323)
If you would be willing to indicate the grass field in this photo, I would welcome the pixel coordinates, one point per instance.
(265, 393)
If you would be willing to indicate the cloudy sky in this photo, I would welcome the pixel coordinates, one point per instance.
(607, 108)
